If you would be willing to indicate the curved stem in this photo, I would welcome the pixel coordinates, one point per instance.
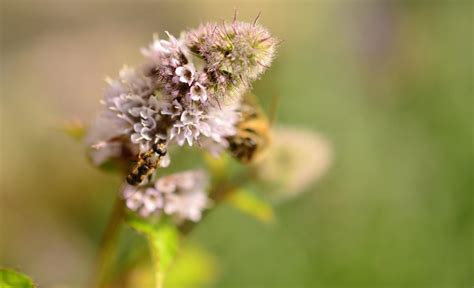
(108, 243)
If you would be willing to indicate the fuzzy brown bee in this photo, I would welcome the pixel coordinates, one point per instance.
(147, 163)
(253, 135)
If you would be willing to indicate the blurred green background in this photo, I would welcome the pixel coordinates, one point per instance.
(389, 83)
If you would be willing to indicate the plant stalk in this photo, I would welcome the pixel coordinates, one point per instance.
(157, 272)
(108, 243)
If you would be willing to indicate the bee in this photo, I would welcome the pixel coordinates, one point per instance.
(147, 163)
(253, 137)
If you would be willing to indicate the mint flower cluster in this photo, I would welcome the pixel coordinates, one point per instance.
(180, 195)
(188, 92)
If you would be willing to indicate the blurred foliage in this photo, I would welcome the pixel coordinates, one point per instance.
(389, 83)
(193, 268)
(12, 279)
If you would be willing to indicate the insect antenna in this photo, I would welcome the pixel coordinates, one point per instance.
(234, 19)
(256, 18)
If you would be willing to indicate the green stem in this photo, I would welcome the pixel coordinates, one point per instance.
(108, 243)
(158, 273)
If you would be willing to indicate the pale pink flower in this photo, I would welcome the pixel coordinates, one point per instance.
(186, 73)
(198, 92)
(181, 195)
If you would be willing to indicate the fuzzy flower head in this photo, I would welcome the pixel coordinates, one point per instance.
(235, 54)
(181, 196)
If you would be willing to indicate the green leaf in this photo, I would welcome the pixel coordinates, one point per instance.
(163, 240)
(164, 245)
(194, 268)
(249, 203)
(10, 278)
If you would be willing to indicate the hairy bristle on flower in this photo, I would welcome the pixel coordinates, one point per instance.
(236, 54)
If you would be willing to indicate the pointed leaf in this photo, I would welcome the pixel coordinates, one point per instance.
(164, 245)
(163, 240)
